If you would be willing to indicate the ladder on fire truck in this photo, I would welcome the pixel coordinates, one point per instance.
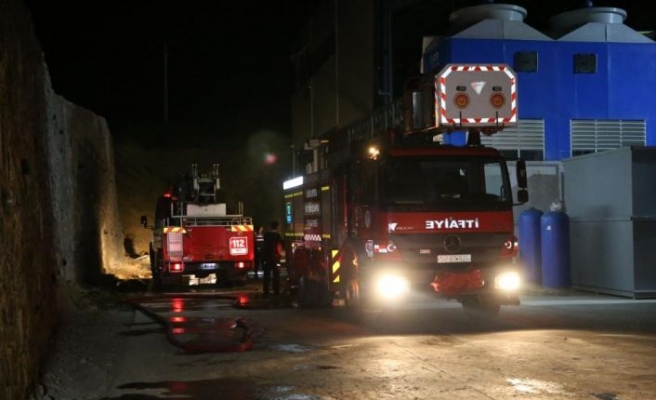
(201, 204)
(206, 186)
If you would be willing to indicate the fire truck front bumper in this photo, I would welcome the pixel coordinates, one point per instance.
(499, 283)
(195, 273)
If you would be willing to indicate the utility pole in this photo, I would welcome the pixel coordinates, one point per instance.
(166, 84)
(387, 83)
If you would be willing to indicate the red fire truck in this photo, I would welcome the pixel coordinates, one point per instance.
(196, 238)
(387, 208)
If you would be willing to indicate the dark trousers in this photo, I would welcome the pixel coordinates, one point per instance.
(271, 267)
(257, 265)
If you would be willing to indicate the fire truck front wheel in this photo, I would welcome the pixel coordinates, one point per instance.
(349, 285)
(358, 298)
(351, 290)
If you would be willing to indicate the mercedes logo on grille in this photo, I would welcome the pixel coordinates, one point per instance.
(452, 243)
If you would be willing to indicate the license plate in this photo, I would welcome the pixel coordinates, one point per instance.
(206, 266)
(453, 258)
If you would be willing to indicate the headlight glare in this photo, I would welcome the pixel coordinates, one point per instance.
(508, 281)
(390, 286)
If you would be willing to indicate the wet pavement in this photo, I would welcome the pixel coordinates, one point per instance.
(193, 320)
(235, 344)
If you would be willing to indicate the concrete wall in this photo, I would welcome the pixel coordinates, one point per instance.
(58, 214)
(83, 189)
(28, 272)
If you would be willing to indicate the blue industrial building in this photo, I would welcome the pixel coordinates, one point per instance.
(588, 86)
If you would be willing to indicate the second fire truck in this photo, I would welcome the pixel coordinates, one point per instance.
(197, 238)
(388, 208)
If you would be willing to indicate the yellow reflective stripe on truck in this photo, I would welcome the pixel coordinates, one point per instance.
(173, 229)
(241, 228)
(335, 265)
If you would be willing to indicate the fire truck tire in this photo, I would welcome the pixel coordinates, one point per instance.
(151, 256)
(352, 294)
(487, 307)
(349, 287)
(157, 282)
(223, 279)
(359, 301)
(155, 271)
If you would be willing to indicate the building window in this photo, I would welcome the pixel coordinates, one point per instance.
(592, 135)
(585, 63)
(526, 61)
(525, 141)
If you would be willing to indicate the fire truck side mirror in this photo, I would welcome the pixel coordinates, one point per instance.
(522, 196)
(144, 221)
(522, 180)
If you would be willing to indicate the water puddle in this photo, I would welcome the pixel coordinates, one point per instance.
(291, 348)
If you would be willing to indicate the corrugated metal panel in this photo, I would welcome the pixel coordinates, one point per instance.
(527, 135)
(591, 136)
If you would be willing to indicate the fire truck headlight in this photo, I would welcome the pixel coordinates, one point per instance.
(390, 286)
(509, 281)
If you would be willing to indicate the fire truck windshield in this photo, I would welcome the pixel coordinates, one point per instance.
(462, 183)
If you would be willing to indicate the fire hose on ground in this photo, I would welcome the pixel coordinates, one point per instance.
(201, 335)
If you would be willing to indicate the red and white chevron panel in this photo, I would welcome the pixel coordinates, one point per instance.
(441, 97)
(312, 238)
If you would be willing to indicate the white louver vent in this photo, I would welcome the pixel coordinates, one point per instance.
(526, 140)
(592, 136)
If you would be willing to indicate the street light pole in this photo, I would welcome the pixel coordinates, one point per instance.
(166, 84)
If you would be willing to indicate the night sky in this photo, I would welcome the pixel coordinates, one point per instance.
(228, 62)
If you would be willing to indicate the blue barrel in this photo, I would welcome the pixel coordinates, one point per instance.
(530, 254)
(554, 228)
